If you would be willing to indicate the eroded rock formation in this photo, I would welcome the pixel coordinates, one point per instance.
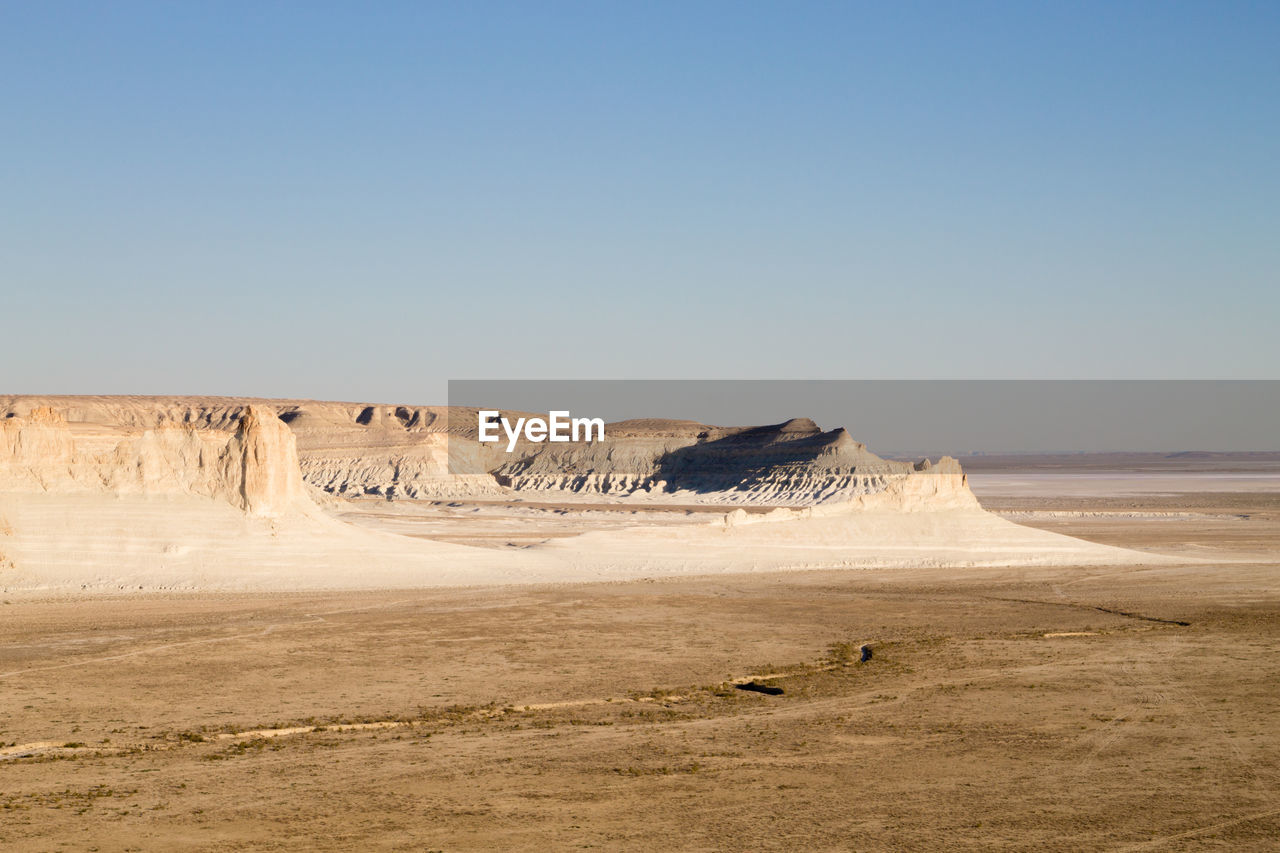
(133, 494)
(251, 452)
(792, 463)
(253, 465)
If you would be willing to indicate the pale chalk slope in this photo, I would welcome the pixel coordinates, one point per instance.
(932, 522)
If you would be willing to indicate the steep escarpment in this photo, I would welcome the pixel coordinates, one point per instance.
(253, 464)
(390, 451)
(431, 452)
(259, 465)
(100, 495)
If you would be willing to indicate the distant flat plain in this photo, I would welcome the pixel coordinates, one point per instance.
(1122, 708)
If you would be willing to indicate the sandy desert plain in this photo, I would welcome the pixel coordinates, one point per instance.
(285, 625)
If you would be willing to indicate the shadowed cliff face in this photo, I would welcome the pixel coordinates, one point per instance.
(792, 463)
(257, 455)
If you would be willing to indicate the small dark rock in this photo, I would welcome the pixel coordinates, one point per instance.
(756, 687)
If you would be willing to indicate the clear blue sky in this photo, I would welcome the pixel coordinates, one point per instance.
(361, 200)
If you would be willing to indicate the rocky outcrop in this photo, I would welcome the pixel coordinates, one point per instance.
(36, 450)
(257, 447)
(420, 469)
(254, 466)
(259, 465)
(792, 463)
(104, 494)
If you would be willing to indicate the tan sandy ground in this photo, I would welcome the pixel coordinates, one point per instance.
(152, 722)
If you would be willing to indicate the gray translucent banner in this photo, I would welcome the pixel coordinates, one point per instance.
(912, 418)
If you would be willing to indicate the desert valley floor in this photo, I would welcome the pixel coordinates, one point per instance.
(1128, 707)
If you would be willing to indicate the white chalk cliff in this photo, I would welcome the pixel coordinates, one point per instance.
(254, 468)
(120, 494)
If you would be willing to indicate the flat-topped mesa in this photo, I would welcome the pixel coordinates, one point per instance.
(126, 495)
(245, 451)
(791, 463)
